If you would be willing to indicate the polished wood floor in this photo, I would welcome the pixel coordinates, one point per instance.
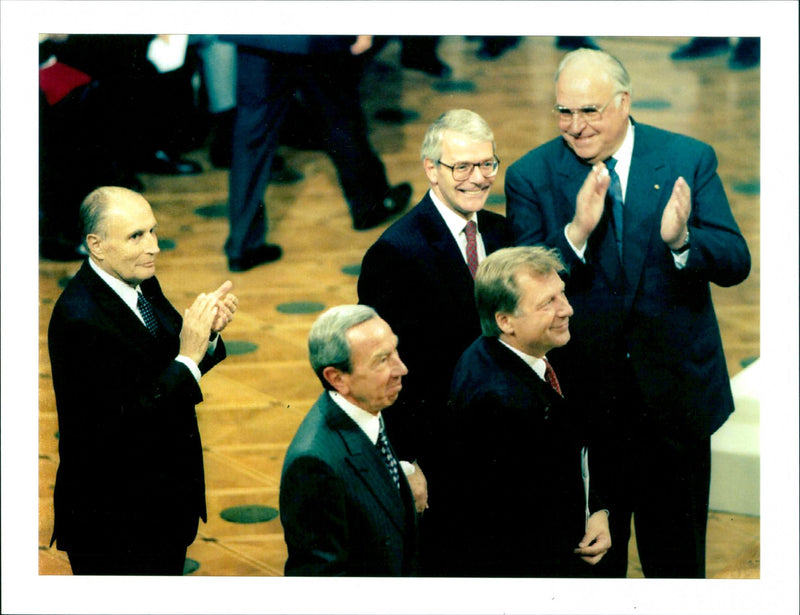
(257, 397)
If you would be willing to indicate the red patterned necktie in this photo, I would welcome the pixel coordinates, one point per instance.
(471, 231)
(550, 376)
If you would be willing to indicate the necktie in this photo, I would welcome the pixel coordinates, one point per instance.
(550, 376)
(146, 310)
(388, 456)
(615, 195)
(471, 231)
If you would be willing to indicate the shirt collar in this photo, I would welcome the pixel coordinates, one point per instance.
(453, 221)
(369, 423)
(625, 152)
(535, 363)
(127, 293)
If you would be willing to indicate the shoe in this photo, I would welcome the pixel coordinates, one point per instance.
(61, 250)
(161, 163)
(701, 47)
(746, 54)
(395, 201)
(282, 174)
(575, 42)
(267, 253)
(432, 66)
(492, 47)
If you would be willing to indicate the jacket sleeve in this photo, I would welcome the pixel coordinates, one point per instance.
(718, 253)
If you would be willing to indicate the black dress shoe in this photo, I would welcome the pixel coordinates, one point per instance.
(431, 65)
(161, 163)
(701, 47)
(746, 54)
(61, 250)
(575, 42)
(395, 201)
(267, 253)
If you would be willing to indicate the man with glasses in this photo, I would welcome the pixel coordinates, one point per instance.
(642, 222)
(419, 277)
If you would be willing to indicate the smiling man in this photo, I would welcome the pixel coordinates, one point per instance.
(126, 369)
(521, 437)
(419, 277)
(641, 219)
(346, 509)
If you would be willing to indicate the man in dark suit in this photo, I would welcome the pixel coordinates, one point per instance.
(509, 422)
(126, 372)
(418, 277)
(642, 221)
(346, 508)
(325, 69)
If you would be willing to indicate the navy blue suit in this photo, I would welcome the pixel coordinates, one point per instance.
(645, 360)
(416, 278)
(340, 510)
(130, 475)
(523, 443)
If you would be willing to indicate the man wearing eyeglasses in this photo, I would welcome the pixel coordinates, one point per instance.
(641, 219)
(419, 277)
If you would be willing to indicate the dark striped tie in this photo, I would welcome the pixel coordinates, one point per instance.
(146, 310)
(615, 194)
(388, 457)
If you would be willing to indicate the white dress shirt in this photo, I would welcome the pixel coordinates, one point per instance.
(456, 225)
(623, 156)
(369, 423)
(130, 296)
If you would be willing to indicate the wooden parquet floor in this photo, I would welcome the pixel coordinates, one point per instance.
(255, 399)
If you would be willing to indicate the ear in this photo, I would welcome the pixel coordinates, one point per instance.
(95, 245)
(431, 170)
(503, 320)
(337, 379)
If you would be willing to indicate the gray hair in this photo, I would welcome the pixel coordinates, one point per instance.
(462, 121)
(95, 206)
(496, 288)
(608, 64)
(327, 339)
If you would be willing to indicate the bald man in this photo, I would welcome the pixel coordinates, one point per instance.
(642, 221)
(126, 369)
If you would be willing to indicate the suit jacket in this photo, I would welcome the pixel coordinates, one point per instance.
(644, 308)
(522, 443)
(341, 513)
(131, 463)
(416, 278)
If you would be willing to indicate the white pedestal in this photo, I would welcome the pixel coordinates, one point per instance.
(735, 450)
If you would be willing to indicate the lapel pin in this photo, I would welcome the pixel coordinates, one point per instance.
(657, 187)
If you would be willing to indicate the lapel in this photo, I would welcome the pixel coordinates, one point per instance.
(118, 316)
(364, 458)
(601, 249)
(444, 248)
(646, 194)
(507, 361)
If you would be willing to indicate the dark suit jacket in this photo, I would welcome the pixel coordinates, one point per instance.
(521, 443)
(131, 462)
(416, 278)
(340, 510)
(661, 316)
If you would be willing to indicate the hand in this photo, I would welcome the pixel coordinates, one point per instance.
(196, 329)
(226, 307)
(597, 539)
(419, 488)
(676, 215)
(363, 43)
(589, 205)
